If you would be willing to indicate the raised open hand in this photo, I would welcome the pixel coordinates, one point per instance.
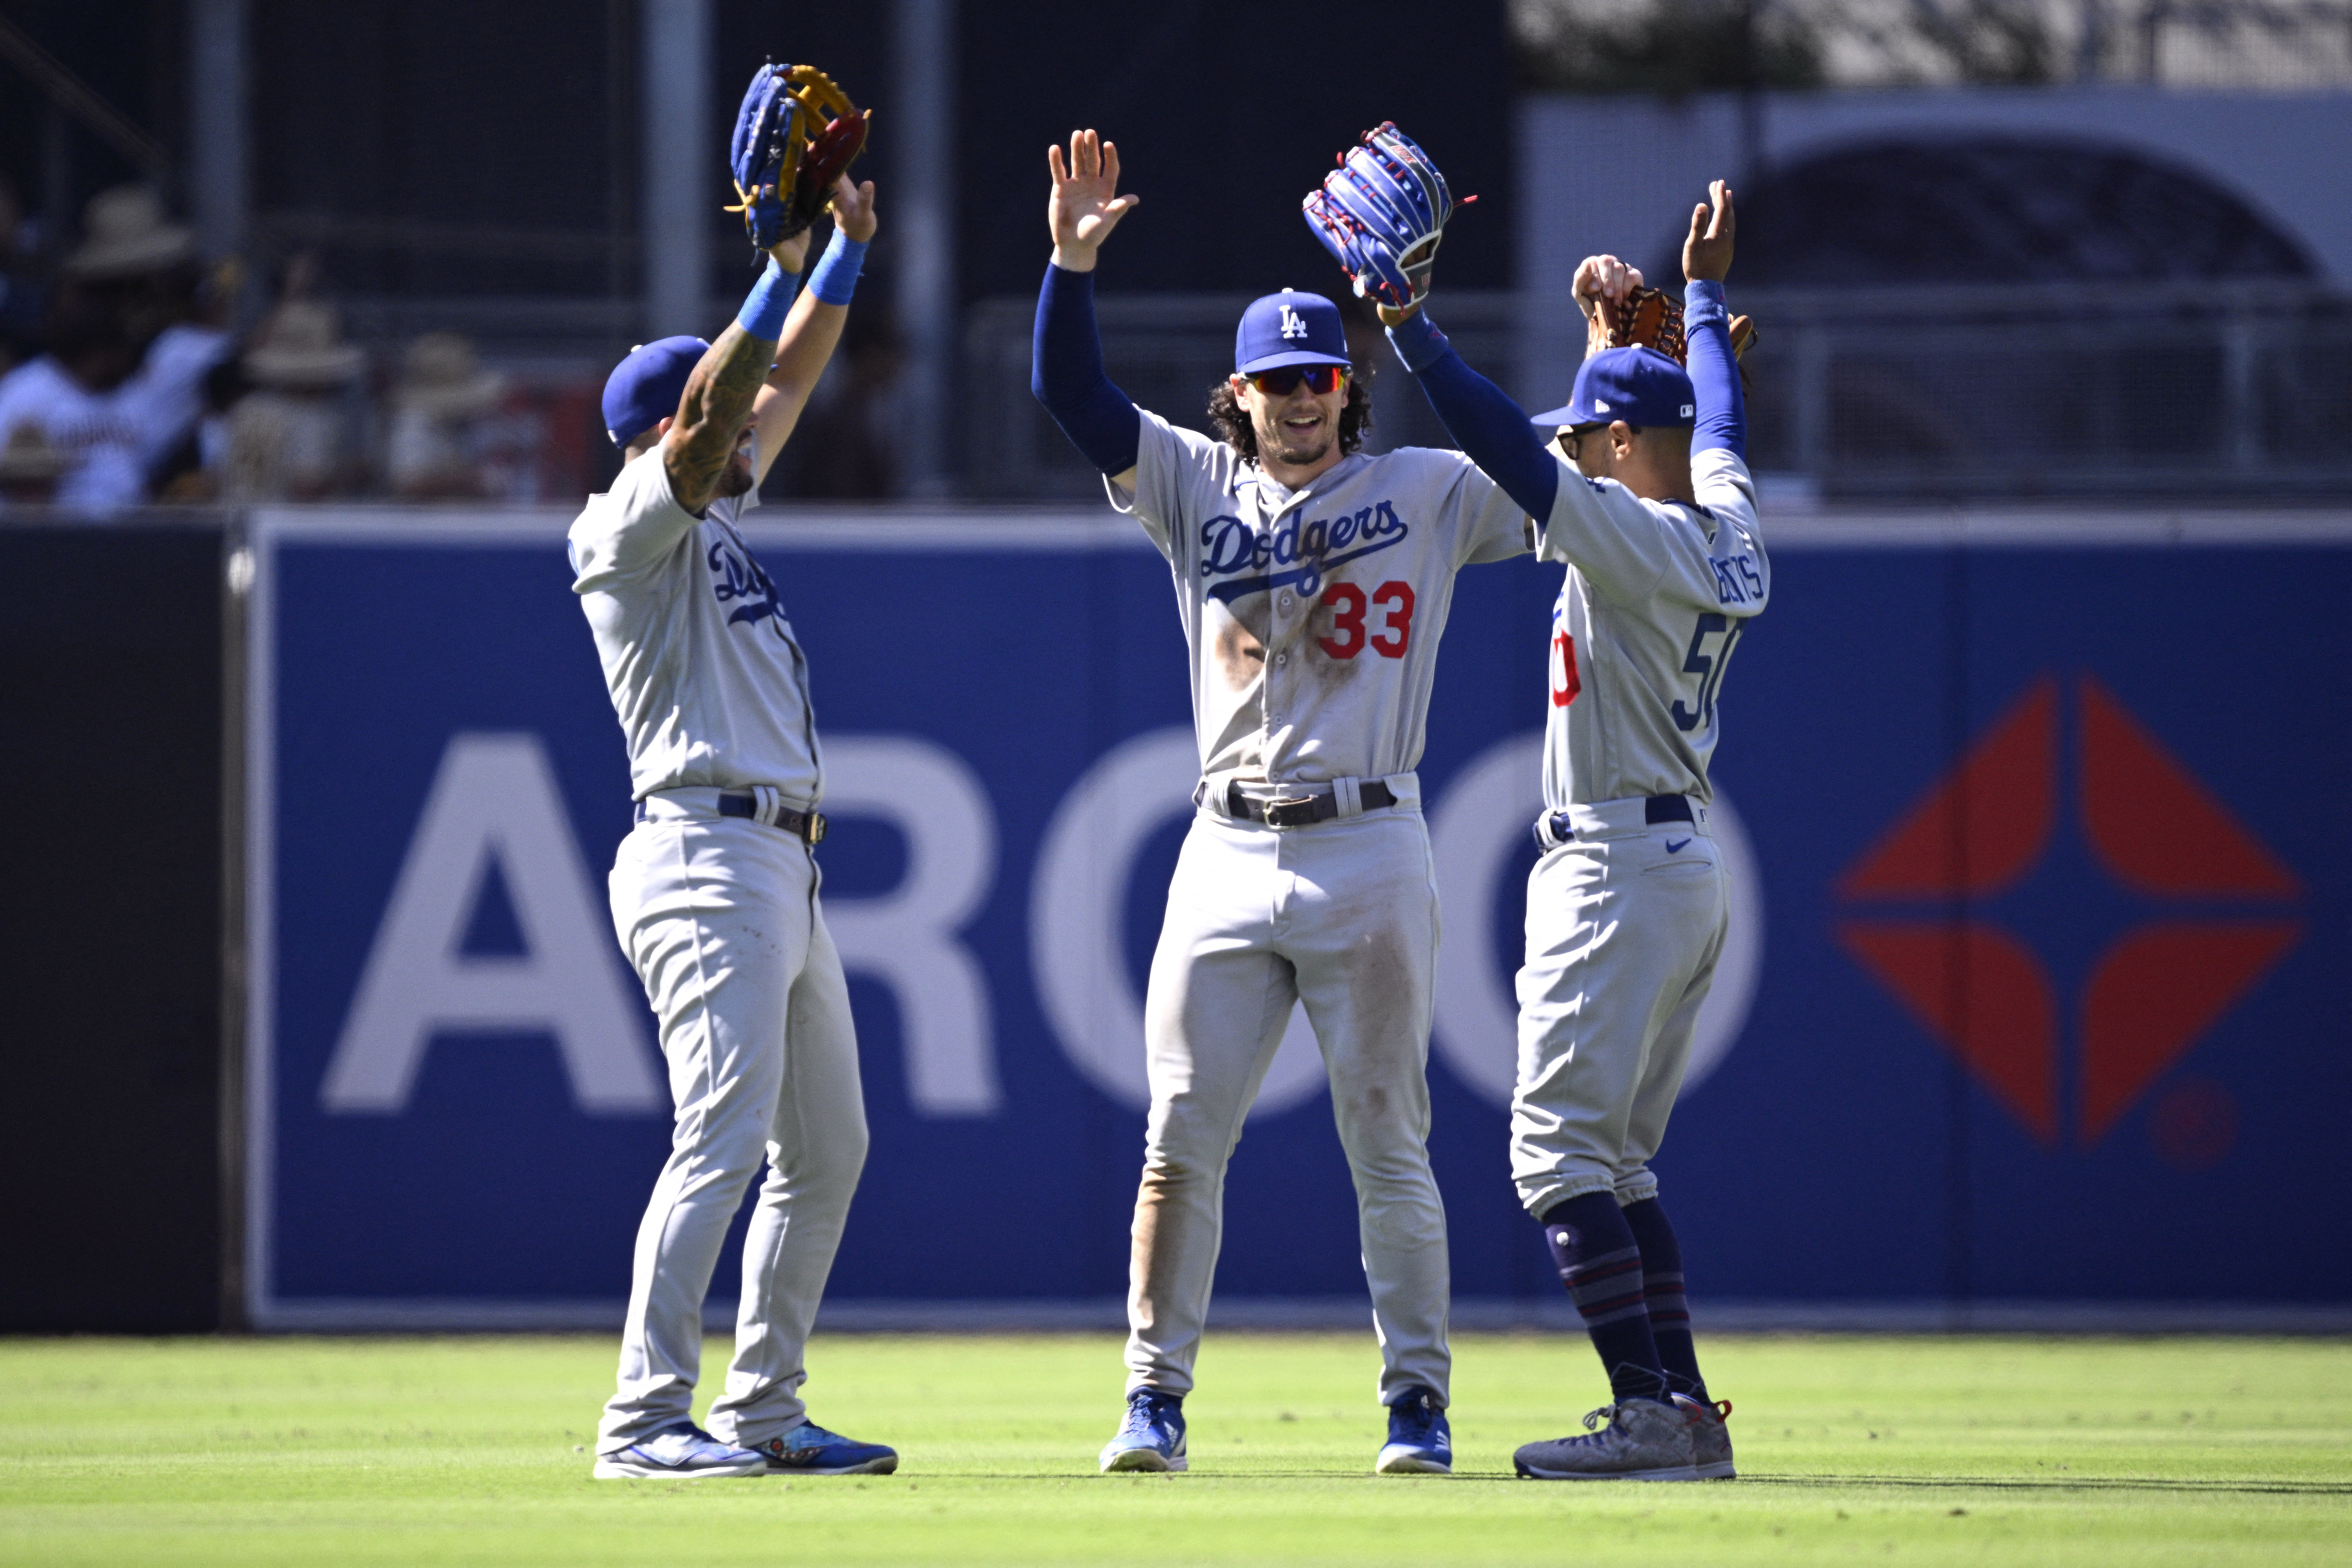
(1086, 204)
(1707, 253)
(1599, 278)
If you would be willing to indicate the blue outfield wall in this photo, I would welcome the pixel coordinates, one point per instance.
(2036, 989)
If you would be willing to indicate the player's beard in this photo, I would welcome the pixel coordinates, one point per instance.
(1282, 444)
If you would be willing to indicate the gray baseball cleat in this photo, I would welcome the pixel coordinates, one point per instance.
(1645, 1441)
(1710, 1438)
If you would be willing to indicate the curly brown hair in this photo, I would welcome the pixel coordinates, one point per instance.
(1233, 420)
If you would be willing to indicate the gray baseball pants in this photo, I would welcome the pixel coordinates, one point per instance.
(1624, 924)
(1341, 915)
(720, 916)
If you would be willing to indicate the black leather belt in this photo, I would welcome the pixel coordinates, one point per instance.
(1658, 808)
(808, 826)
(1300, 811)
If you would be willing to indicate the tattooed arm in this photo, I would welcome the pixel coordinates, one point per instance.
(714, 414)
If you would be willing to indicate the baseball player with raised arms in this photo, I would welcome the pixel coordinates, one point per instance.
(1644, 495)
(1313, 583)
(714, 892)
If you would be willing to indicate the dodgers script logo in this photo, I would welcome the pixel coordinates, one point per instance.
(1307, 548)
(740, 577)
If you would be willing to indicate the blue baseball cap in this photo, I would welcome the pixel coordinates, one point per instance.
(643, 388)
(1641, 386)
(1289, 328)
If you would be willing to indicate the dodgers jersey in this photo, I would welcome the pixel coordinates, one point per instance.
(710, 684)
(1656, 595)
(1313, 616)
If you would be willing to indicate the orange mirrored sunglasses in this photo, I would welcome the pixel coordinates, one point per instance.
(1321, 379)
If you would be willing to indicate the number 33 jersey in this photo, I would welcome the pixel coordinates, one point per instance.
(1656, 596)
(1313, 616)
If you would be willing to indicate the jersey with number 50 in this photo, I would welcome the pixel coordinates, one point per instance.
(1656, 596)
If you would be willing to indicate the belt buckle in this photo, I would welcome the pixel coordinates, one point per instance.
(1295, 812)
(813, 829)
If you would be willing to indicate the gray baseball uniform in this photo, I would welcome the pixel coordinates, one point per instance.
(1627, 905)
(718, 914)
(1313, 618)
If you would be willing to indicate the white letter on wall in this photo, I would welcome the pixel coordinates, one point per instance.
(495, 796)
(907, 937)
(1077, 907)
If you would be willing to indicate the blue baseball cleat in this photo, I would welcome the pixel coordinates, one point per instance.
(1420, 1443)
(1152, 1436)
(683, 1452)
(809, 1449)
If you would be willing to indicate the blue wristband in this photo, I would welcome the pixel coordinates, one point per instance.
(834, 277)
(770, 300)
(1418, 342)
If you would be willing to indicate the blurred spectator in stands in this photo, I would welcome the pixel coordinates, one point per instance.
(295, 438)
(839, 452)
(21, 294)
(440, 438)
(140, 266)
(67, 395)
(29, 468)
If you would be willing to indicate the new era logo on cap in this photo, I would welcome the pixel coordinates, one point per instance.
(643, 388)
(1641, 386)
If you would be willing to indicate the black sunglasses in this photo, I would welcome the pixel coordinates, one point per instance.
(1568, 437)
(1321, 379)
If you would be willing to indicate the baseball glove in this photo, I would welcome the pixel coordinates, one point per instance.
(1653, 319)
(1381, 213)
(794, 134)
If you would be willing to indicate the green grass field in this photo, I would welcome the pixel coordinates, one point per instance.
(1977, 1450)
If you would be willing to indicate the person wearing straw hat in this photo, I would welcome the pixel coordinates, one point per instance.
(136, 263)
(127, 236)
(293, 439)
(436, 448)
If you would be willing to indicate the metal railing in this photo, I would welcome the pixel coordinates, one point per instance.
(2054, 391)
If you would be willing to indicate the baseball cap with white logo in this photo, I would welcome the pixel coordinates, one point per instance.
(1641, 386)
(643, 388)
(1289, 328)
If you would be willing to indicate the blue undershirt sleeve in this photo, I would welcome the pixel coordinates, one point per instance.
(1492, 431)
(1065, 375)
(1714, 372)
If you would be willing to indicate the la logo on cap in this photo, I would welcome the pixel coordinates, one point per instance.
(1294, 325)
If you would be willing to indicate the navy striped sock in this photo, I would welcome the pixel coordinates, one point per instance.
(1662, 1275)
(1601, 1264)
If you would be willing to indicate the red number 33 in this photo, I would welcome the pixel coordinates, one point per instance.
(1394, 600)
